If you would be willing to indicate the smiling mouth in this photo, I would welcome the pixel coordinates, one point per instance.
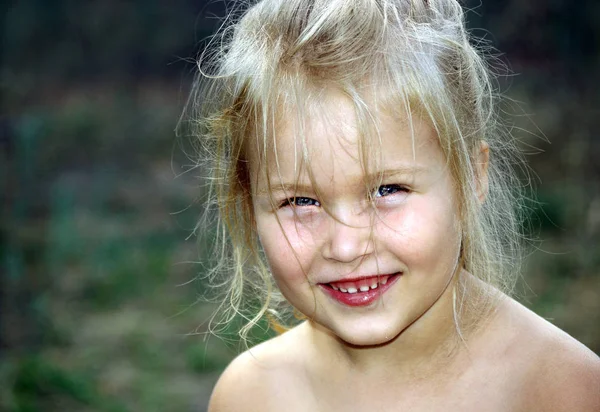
(361, 285)
(360, 292)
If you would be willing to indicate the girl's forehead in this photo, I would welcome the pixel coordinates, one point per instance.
(336, 123)
(332, 139)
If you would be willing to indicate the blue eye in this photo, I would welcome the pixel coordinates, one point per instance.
(386, 190)
(300, 202)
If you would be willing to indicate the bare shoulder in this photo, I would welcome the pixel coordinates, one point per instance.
(260, 379)
(559, 373)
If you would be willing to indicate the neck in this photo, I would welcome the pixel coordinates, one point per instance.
(424, 348)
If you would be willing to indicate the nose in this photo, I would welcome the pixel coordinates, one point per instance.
(349, 239)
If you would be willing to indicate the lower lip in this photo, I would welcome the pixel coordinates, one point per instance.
(360, 298)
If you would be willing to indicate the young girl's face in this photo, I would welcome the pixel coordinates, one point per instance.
(364, 270)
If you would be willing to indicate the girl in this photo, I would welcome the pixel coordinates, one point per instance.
(359, 170)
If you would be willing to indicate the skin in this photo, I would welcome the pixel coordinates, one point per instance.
(402, 351)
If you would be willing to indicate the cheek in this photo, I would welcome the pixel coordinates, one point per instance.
(289, 248)
(424, 230)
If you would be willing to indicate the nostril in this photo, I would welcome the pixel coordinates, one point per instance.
(348, 243)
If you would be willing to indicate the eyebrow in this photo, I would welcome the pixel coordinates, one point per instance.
(298, 187)
(285, 188)
(397, 171)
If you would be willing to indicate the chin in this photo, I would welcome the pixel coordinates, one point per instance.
(368, 337)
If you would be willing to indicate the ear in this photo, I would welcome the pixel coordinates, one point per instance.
(482, 161)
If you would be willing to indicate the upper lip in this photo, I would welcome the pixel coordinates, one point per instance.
(359, 278)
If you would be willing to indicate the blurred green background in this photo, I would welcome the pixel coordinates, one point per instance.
(98, 303)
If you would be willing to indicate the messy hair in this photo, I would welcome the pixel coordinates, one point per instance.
(278, 54)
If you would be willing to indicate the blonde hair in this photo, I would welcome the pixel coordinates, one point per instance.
(282, 53)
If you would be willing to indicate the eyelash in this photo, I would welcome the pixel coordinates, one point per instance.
(293, 201)
(301, 201)
(395, 187)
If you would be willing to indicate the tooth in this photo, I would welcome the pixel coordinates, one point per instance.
(334, 287)
(344, 290)
(364, 288)
(384, 281)
(374, 285)
(352, 290)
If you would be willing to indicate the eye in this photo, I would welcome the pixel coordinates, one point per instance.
(300, 202)
(387, 190)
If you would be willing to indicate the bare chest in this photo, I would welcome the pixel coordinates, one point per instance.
(490, 392)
